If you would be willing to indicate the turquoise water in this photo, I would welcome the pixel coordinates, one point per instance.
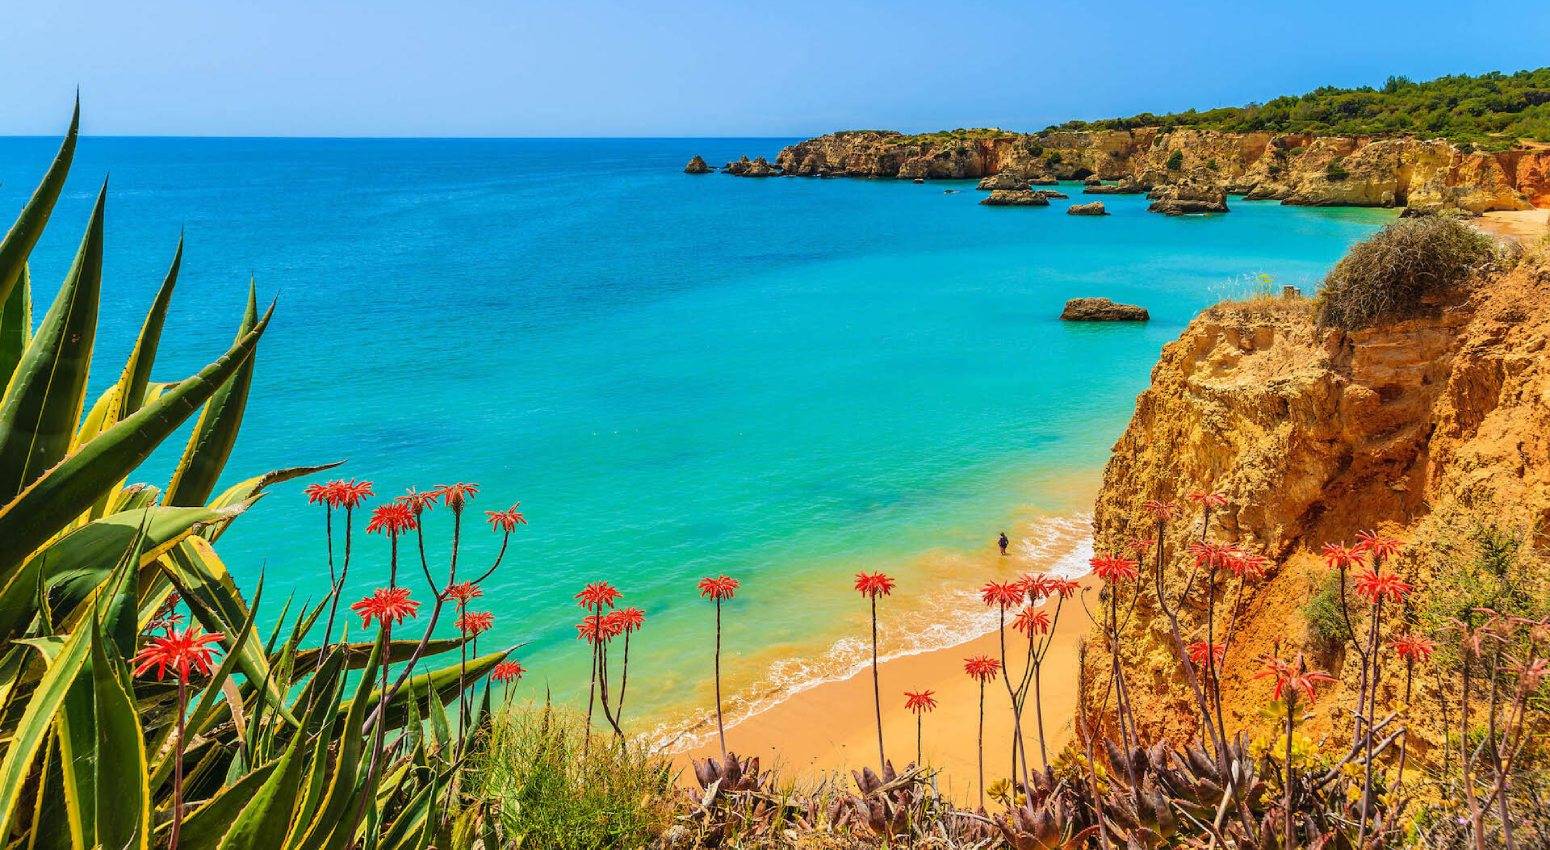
(785, 380)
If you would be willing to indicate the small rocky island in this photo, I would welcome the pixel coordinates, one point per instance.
(1187, 198)
(1102, 310)
(756, 167)
(697, 165)
(1015, 198)
(1091, 208)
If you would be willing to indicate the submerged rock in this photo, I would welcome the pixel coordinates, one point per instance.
(1090, 208)
(697, 165)
(1188, 198)
(1052, 194)
(1015, 198)
(1102, 310)
(1044, 180)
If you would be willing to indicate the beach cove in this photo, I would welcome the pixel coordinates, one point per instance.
(862, 374)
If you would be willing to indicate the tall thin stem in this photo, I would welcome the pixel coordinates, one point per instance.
(877, 691)
(177, 767)
(919, 758)
(721, 727)
(982, 745)
(1287, 799)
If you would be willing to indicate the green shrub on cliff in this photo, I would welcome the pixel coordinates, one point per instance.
(1392, 274)
(1176, 161)
(1491, 111)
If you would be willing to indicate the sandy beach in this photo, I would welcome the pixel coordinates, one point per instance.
(1523, 225)
(831, 729)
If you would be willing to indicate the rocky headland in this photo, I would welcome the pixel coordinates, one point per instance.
(1428, 428)
(1295, 168)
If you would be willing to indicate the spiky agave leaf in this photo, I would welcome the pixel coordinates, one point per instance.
(215, 432)
(15, 328)
(53, 500)
(46, 395)
(18, 242)
(64, 662)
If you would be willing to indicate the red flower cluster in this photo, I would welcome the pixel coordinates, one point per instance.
(1006, 594)
(507, 671)
(455, 496)
(919, 702)
(982, 668)
(1209, 501)
(874, 584)
(1372, 586)
(628, 619)
(1413, 647)
(506, 520)
(719, 588)
(1032, 622)
(393, 519)
(1139, 546)
(1114, 569)
(595, 629)
(1343, 557)
(597, 596)
(339, 493)
(386, 605)
(1293, 677)
(1160, 511)
(181, 652)
(474, 623)
(1200, 650)
(418, 501)
(462, 592)
(1380, 547)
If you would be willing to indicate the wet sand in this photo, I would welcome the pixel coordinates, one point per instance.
(831, 729)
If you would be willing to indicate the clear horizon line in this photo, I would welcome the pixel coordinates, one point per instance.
(321, 137)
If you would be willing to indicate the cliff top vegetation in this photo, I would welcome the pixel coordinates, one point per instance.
(1492, 111)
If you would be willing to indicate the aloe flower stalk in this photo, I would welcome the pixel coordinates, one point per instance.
(718, 590)
(919, 702)
(982, 669)
(873, 585)
(184, 653)
(1291, 679)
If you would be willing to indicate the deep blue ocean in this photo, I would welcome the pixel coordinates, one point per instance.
(786, 380)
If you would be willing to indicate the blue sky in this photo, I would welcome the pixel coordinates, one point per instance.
(775, 67)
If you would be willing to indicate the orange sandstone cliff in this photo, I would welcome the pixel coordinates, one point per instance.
(1314, 434)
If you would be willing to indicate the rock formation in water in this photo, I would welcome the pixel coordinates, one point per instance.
(1413, 427)
(757, 167)
(1090, 208)
(1015, 198)
(1188, 198)
(1295, 168)
(1102, 310)
(697, 165)
(1003, 180)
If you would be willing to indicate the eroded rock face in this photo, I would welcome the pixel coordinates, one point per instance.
(1314, 434)
(1091, 208)
(1102, 310)
(1188, 199)
(1015, 198)
(697, 165)
(1296, 168)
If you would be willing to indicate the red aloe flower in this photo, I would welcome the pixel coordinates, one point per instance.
(1413, 647)
(473, 623)
(1032, 622)
(1065, 587)
(1209, 501)
(597, 596)
(1139, 546)
(506, 520)
(874, 584)
(393, 519)
(181, 652)
(317, 493)
(1200, 650)
(629, 619)
(1160, 511)
(719, 588)
(386, 605)
(1380, 547)
(597, 629)
(1216, 555)
(418, 501)
(1249, 565)
(1372, 586)
(1339, 556)
(919, 702)
(506, 671)
(349, 494)
(1039, 586)
(1113, 569)
(1293, 677)
(462, 592)
(455, 496)
(1006, 594)
(982, 668)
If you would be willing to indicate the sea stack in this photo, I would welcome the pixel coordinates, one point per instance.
(757, 167)
(1188, 198)
(1003, 180)
(1102, 310)
(1091, 208)
(697, 165)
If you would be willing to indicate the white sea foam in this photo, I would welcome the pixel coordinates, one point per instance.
(1061, 546)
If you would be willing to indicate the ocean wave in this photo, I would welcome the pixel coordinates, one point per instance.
(1059, 545)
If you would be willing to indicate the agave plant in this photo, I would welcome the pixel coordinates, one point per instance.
(272, 738)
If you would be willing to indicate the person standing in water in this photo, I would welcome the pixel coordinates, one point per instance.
(1003, 543)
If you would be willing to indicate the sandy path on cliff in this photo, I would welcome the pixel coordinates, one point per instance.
(830, 729)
